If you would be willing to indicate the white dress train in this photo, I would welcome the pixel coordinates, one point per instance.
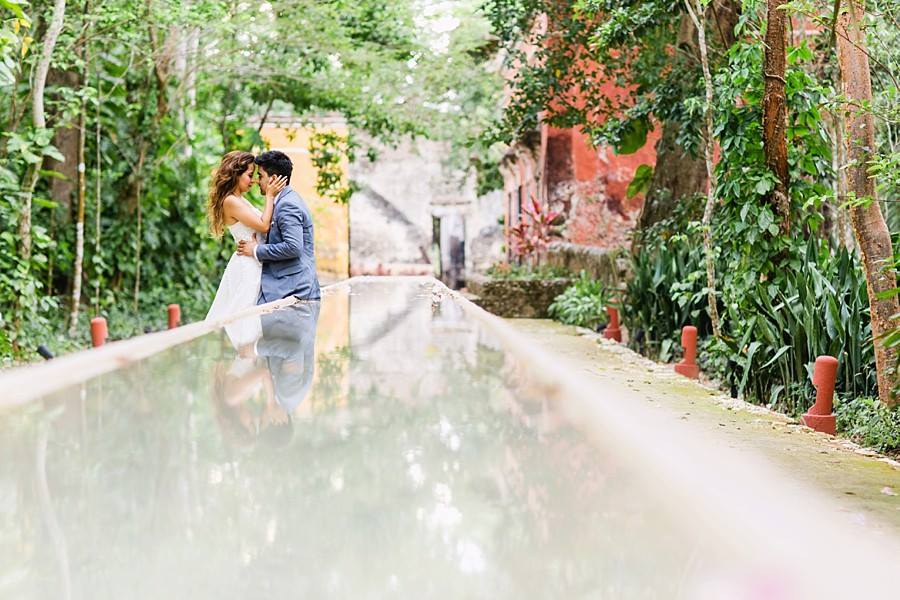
(239, 290)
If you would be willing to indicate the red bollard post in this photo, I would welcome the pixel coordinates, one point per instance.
(174, 316)
(688, 365)
(820, 416)
(613, 331)
(99, 331)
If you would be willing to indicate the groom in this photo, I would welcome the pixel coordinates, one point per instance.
(288, 256)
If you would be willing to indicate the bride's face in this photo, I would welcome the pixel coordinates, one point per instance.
(245, 180)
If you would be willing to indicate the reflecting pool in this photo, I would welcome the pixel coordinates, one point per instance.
(380, 444)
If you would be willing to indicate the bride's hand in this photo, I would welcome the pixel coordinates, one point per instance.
(276, 184)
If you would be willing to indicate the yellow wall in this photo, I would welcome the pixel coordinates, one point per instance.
(331, 220)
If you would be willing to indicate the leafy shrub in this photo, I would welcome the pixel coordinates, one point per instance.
(582, 304)
(817, 306)
(772, 328)
(530, 238)
(870, 423)
(666, 291)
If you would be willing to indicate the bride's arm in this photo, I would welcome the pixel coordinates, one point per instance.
(239, 211)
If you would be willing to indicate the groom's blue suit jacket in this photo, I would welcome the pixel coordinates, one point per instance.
(288, 256)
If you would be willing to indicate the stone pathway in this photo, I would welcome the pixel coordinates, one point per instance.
(864, 483)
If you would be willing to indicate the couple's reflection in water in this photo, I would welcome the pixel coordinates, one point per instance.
(258, 393)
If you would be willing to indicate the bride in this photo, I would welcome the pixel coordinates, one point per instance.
(227, 208)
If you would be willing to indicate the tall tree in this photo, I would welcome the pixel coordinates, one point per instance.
(775, 110)
(84, 51)
(868, 222)
(678, 172)
(697, 13)
(39, 120)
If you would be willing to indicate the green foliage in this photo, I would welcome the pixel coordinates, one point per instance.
(329, 152)
(634, 136)
(14, 39)
(582, 304)
(159, 116)
(818, 307)
(589, 41)
(891, 339)
(883, 49)
(746, 229)
(666, 291)
(870, 423)
(489, 177)
(783, 298)
(771, 338)
(640, 183)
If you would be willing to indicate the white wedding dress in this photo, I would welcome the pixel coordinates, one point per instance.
(239, 290)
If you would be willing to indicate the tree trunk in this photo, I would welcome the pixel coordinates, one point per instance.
(677, 174)
(775, 112)
(98, 208)
(869, 225)
(82, 197)
(697, 14)
(140, 188)
(39, 121)
(161, 64)
(63, 189)
(842, 230)
(65, 139)
(726, 13)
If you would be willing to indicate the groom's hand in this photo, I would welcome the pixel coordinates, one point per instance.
(247, 248)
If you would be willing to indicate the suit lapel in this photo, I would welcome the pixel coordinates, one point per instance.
(278, 199)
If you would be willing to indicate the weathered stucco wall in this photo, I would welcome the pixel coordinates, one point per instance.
(411, 208)
(516, 298)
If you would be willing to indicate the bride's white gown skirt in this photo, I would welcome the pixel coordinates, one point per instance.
(238, 291)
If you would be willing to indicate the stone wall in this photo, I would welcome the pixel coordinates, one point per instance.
(609, 266)
(516, 298)
(484, 232)
(587, 184)
(413, 214)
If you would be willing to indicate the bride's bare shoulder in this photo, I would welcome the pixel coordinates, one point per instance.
(231, 208)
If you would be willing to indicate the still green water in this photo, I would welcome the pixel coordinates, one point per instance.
(379, 445)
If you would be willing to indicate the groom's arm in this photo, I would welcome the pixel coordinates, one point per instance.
(290, 224)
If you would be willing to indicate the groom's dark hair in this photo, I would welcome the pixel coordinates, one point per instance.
(275, 162)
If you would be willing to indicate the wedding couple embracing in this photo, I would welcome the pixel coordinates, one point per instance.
(275, 256)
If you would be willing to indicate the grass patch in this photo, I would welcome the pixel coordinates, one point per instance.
(869, 423)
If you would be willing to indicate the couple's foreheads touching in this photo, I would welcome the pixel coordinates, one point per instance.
(236, 174)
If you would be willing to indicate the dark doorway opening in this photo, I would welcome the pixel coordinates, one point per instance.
(450, 233)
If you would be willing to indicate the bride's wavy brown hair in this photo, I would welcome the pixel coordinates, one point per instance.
(224, 181)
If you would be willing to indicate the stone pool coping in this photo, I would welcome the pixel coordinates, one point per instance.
(20, 385)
